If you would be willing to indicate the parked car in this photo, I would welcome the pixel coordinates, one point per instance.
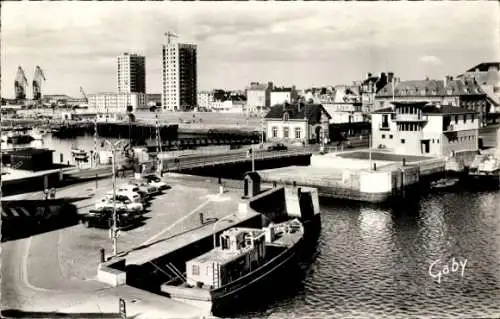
(131, 196)
(127, 188)
(103, 218)
(277, 147)
(155, 181)
(144, 186)
(120, 202)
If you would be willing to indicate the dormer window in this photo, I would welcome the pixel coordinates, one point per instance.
(286, 116)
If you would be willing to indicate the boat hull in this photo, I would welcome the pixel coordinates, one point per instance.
(483, 181)
(221, 299)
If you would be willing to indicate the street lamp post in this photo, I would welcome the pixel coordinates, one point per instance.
(215, 224)
(114, 234)
(261, 127)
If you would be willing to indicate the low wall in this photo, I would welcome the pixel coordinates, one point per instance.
(112, 272)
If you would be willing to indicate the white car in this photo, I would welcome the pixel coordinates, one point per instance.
(156, 181)
(127, 188)
(131, 196)
(121, 203)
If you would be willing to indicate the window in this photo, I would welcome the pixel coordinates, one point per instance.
(196, 270)
(465, 118)
(383, 135)
(437, 141)
(390, 136)
(297, 132)
(403, 141)
(456, 119)
(275, 132)
(286, 116)
(285, 132)
(433, 141)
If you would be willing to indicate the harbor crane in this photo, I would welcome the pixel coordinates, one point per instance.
(20, 84)
(84, 95)
(37, 83)
(170, 35)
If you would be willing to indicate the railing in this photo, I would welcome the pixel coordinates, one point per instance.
(410, 118)
(193, 161)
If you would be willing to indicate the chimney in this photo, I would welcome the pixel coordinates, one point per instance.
(390, 76)
(369, 75)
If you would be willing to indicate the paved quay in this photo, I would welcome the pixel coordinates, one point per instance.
(56, 271)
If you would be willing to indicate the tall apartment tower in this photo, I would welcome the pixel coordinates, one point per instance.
(131, 73)
(179, 76)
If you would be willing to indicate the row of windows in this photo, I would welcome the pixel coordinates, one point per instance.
(464, 117)
(408, 110)
(409, 127)
(286, 132)
(462, 139)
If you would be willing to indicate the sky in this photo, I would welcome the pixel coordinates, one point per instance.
(289, 43)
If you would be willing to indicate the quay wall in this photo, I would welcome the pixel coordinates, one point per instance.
(359, 185)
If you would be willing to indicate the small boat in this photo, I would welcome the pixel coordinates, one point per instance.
(484, 172)
(444, 183)
(19, 138)
(245, 257)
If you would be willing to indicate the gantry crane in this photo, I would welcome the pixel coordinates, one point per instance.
(20, 84)
(37, 83)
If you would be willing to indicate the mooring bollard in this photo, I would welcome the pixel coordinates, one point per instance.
(294, 184)
(102, 255)
(61, 156)
(374, 166)
(202, 220)
(275, 184)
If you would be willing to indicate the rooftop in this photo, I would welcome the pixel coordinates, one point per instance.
(483, 67)
(298, 112)
(432, 88)
(27, 151)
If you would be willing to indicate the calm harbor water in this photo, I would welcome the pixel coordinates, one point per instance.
(373, 262)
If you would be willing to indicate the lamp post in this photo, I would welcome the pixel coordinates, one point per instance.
(261, 127)
(114, 234)
(215, 224)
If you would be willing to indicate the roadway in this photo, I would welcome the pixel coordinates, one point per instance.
(56, 271)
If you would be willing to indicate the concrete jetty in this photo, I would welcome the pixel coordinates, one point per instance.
(66, 270)
(352, 176)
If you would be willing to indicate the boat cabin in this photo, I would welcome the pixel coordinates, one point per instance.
(241, 251)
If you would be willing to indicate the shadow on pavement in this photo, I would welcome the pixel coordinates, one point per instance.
(25, 218)
(13, 313)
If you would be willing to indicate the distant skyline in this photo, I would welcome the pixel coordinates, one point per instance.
(289, 43)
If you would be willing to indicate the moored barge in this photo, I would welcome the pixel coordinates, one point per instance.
(245, 258)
